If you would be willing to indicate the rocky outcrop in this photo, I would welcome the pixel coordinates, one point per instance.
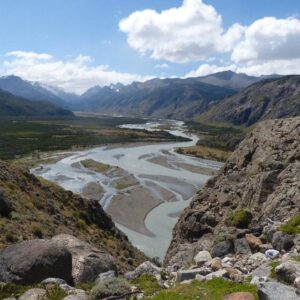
(32, 261)
(262, 177)
(87, 261)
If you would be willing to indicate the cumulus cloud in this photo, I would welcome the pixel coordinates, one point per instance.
(190, 32)
(75, 75)
(268, 46)
(269, 39)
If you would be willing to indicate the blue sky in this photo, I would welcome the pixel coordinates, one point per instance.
(66, 29)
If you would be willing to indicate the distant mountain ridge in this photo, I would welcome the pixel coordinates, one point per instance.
(11, 105)
(267, 99)
(158, 98)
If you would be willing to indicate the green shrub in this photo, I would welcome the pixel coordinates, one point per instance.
(55, 293)
(10, 238)
(37, 232)
(241, 218)
(292, 226)
(110, 287)
(147, 283)
(8, 290)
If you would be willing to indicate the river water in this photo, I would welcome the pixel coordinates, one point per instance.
(157, 169)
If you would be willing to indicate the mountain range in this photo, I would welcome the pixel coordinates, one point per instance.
(224, 97)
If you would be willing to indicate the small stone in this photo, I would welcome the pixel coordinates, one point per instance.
(232, 273)
(33, 294)
(200, 277)
(297, 282)
(257, 258)
(216, 264)
(253, 241)
(105, 275)
(53, 281)
(272, 253)
(240, 296)
(202, 257)
(217, 274)
(258, 280)
(262, 271)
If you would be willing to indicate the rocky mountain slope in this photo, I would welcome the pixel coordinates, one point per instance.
(259, 184)
(26, 89)
(11, 105)
(268, 99)
(32, 208)
(167, 98)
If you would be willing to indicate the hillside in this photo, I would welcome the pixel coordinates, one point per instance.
(167, 98)
(11, 105)
(32, 208)
(259, 185)
(268, 99)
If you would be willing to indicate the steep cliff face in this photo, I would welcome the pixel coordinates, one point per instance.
(262, 177)
(268, 99)
(33, 208)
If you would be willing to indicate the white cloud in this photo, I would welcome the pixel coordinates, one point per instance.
(190, 32)
(269, 46)
(269, 39)
(162, 66)
(74, 75)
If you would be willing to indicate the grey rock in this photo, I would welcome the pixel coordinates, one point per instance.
(288, 271)
(276, 291)
(105, 275)
(77, 297)
(145, 268)
(241, 246)
(223, 248)
(217, 274)
(202, 257)
(263, 270)
(33, 294)
(32, 261)
(258, 280)
(272, 253)
(282, 241)
(183, 275)
(53, 281)
(87, 261)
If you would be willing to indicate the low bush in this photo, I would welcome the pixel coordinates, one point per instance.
(241, 218)
(110, 287)
(292, 226)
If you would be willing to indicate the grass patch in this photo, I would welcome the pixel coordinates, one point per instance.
(214, 289)
(147, 283)
(95, 165)
(273, 265)
(240, 218)
(296, 258)
(11, 290)
(292, 226)
(55, 293)
(205, 152)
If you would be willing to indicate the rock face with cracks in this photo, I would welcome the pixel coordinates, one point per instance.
(262, 176)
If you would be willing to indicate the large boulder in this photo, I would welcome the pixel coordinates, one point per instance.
(34, 294)
(288, 271)
(145, 268)
(32, 261)
(87, 261)
(202, 257)
(282, 241)
(276, 291)
(222, 248)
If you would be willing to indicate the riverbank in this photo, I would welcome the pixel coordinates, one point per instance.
(144, 187)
